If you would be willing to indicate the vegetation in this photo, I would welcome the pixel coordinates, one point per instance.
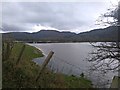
(24, 73)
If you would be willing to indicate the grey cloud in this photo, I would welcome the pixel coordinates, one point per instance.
(63, 16)
(16, 27)
(7, 27)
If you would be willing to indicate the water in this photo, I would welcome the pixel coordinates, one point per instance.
(72, 53)
(71, 59)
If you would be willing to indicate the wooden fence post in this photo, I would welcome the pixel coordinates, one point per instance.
(7, 51)
(20, 55)
(45, 64)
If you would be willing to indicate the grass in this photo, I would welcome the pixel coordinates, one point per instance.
(25, 73)
(77, 82)
(21, 75)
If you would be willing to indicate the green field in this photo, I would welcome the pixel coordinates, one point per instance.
(24, 74)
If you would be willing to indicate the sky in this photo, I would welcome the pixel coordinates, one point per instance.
(62, 16)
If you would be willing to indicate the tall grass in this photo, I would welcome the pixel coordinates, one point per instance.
(24, 74)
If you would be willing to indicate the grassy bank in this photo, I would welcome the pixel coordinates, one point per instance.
(25, 72)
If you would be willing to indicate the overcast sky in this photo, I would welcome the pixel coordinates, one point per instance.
(63, 16)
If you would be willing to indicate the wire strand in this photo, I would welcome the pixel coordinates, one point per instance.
(65, 61)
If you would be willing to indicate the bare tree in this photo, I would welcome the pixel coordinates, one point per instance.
(111, 17)
(106, 56)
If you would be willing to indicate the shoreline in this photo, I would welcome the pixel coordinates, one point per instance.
(37, 49)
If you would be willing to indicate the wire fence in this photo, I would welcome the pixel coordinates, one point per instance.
(63, 65)
(59, 64)
(65, 61)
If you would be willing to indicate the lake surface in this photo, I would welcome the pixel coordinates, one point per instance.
(71, 59)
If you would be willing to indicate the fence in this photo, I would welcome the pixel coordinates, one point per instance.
(58, 64)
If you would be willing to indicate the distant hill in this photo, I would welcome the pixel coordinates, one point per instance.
(106, 34)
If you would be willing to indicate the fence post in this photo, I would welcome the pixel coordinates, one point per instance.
(7, 51)
(45, 64)
(20, 55)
